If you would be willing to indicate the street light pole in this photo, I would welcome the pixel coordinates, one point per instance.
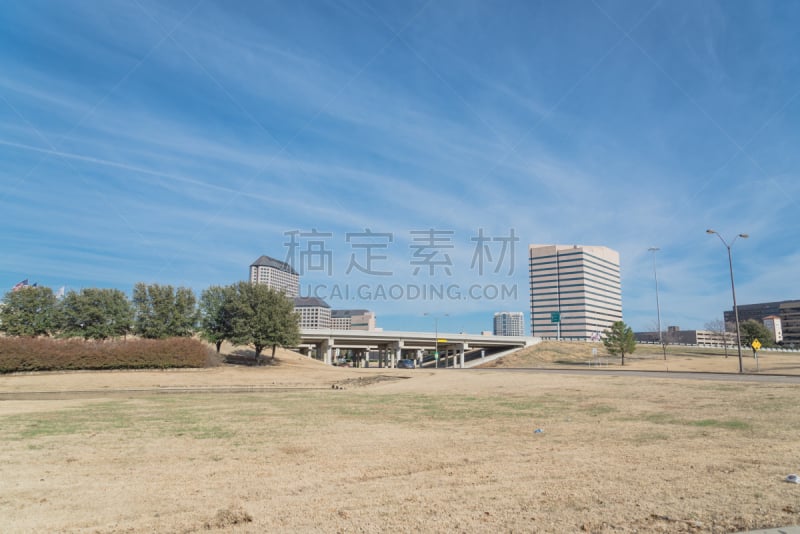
(733, 291)
(436, 340)
(658, 306)
(436, 333)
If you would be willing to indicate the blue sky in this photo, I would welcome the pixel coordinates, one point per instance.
(176, 142)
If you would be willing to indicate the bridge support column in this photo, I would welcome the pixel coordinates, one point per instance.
(397, 351)
(326, 350)
(461, 356)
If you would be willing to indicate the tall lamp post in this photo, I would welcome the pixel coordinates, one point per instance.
(733, 291)
(658, 306)
(436, 328)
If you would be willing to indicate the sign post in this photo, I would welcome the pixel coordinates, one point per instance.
(555, 317)
(756, 344)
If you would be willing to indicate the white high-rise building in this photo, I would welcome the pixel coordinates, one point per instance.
(575, 290)
(275, 274)
(509, 324)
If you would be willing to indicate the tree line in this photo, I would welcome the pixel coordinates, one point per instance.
(241, 313)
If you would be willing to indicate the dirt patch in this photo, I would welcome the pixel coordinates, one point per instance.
(364, 381)
(228, 517)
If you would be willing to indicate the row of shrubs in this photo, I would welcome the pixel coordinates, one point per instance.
(22, 354)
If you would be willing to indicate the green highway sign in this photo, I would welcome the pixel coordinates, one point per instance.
(555, 317)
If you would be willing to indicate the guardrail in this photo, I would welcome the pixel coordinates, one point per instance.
(731, 346)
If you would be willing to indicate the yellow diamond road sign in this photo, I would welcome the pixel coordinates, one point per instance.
(756, 344)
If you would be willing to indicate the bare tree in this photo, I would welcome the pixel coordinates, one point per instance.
(661, 337)
(718, 326)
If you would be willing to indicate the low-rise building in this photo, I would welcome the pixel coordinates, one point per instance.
(701, 338)
(314, 312)
(353, 320)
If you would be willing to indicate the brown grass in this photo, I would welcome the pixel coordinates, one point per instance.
(579, 355)
(428, 451)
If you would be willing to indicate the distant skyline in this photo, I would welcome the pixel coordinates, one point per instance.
(176, 143)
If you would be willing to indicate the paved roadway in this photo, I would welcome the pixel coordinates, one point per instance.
(782, 530)
(725, 377)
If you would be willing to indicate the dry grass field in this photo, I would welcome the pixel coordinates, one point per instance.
(564, 355)
(302, 447)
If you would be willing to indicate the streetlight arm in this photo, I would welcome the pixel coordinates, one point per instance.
(743, 236)
(710, 231)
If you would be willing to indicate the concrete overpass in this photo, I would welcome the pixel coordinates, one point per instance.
(392, 346)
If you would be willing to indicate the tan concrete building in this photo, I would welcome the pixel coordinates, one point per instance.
(353, 320)
(275, 274)
(314, 312)
(576, 285)
(701, 338)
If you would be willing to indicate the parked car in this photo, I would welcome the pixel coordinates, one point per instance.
(406, 364)
(341, 362)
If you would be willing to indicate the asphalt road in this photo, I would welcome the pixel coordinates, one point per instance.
(722, 377)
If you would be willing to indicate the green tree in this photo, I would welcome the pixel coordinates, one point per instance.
(29, 311)
(215, 318)
(95, 314)
(751, 330)
(162, 311)
(262, 317)
(619, 339)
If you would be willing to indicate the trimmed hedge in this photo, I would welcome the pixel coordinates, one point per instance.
(20, 354)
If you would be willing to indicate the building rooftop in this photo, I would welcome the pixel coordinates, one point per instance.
(310, 302)
(347, 313)
(266, 261)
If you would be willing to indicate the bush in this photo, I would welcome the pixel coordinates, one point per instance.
(46, 354)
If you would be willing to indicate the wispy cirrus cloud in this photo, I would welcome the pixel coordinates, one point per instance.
(179, 142)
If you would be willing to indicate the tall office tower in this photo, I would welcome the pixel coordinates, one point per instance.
(509, 324)
(575, 291)
(276, 275)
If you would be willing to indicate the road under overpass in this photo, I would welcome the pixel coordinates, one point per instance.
(387, 347)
